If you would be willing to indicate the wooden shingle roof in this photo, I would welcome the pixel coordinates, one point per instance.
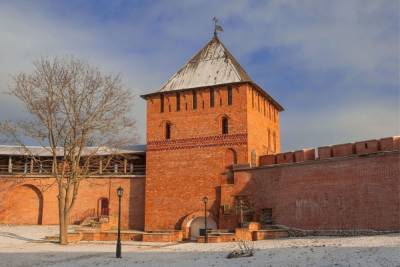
(212, 65)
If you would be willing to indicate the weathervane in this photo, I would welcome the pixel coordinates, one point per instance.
(217, 27)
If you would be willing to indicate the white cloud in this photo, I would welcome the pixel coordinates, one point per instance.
(28, 34)
(339, 123)
(358, 39)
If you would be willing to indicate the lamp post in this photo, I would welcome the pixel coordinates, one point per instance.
(120, 191)
(205, 200)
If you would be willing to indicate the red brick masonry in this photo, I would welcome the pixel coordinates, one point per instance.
(350, 186)
(33, 200)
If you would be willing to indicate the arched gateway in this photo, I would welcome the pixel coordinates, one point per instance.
(25, 205)
(193, 224)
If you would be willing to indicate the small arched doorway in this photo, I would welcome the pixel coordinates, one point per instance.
(25, 205)
(230, 158)
(230, 161)
(103, 207)
(224, 125)
(197, 226)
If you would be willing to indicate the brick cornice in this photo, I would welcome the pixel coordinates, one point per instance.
(198, 142)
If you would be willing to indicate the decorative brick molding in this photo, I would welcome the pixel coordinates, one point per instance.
(197, 142)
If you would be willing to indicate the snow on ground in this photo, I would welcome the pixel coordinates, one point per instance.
(24, 246)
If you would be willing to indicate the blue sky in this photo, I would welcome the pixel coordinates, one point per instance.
(333, 65)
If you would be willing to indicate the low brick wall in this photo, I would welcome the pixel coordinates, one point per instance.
(90, 236)
(269, 234)
(367, 232)
(74, 237)
(254, 226)
(110, 236)
(225, 237)
(243, 234)
(170, 236)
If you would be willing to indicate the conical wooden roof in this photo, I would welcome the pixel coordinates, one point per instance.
(212, 65)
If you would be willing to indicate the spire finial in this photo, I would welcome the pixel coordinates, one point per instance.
(217, 27)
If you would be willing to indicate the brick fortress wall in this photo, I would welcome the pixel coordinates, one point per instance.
(347, 186)
(33, 200)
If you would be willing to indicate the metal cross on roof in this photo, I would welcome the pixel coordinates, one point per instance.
(217, 27)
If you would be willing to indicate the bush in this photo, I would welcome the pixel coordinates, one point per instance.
(246, 249)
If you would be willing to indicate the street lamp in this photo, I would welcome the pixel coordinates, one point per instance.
(120, 191)
(205, 200)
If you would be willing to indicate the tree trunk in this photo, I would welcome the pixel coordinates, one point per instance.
(63, 222)
(63, 231)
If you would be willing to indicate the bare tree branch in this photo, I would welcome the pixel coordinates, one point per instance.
(72, 104)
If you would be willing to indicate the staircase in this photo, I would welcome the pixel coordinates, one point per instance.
(89, 218)
(270, 231)
(81, 217)
(91, 221)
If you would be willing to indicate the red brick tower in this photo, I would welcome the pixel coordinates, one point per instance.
(208, 116)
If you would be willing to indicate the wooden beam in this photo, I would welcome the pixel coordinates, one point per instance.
(101, 165)
(10, 164)
(31, 167)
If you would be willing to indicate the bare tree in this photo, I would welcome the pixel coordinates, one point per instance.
(244, 209)
(246, 249)
(71, 105)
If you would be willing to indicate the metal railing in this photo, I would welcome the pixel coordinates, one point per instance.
(79, 218)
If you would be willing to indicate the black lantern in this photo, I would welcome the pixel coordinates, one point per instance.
(120, 191)
(205, 200)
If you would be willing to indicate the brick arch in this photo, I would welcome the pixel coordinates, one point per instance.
(103, 207)
(165, 122)
(185, 225)
(219, 117)
(230, 157)
(24, 205)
